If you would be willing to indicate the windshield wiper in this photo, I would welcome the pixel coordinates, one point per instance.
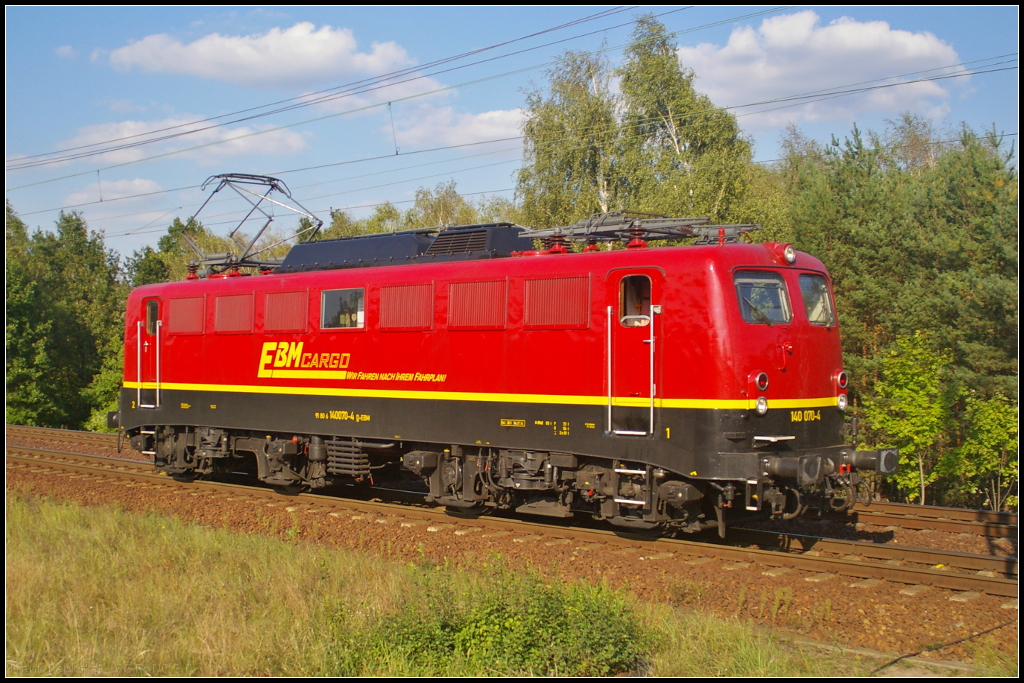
(758, 313)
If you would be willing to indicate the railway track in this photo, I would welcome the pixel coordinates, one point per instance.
(918, 517)
(954, 520)
(858, 560)
(62, 435)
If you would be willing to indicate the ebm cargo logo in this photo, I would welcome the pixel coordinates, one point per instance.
(288, 360)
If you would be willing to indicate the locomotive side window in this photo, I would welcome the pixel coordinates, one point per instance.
(763, 298)
(152, 313)
(342, 308)
(635, 301)
(817, 301)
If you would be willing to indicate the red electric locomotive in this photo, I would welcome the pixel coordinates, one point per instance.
(671, 386)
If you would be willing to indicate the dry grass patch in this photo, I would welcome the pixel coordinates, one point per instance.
(99, 591)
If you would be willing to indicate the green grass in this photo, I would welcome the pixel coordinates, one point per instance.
(105, 592)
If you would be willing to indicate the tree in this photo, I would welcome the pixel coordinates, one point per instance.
(441, 206)
(65, 315)
(915, 243)
(660, 147)
(169, 262)
(681, 154)
(28, 346)
(912, 410)
(986, 462)
(570, 137)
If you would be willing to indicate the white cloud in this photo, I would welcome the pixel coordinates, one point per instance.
(298, 56)
(124, 106)
(66, 52)
(793, 54)
(442, 126)
(112, 189)
(237, 141)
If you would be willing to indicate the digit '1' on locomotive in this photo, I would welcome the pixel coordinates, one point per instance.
(676, 386)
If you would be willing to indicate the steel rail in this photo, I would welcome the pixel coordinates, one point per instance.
(917, 522)
(64, 434)
(941, 513)
(900, 510)
(658, 548)
(1005, 566)
(954, 520)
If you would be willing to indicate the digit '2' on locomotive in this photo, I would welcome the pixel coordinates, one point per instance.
(676, 386)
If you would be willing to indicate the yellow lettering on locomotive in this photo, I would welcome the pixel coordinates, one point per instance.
(266, 357)
(282, 355)
(335, 359)
(294, 353)
(512, 423)
(345, 358)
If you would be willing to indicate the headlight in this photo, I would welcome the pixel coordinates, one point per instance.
(790, 254)
(842, 379)
(762, 405)
(841, 402)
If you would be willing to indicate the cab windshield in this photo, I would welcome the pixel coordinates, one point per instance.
(763, 297)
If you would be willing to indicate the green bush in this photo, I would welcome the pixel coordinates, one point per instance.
(509, 624)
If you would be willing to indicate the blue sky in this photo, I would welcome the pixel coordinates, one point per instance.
(77, 77)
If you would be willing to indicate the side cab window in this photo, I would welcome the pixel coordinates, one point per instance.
(342, 309)
(817, 300)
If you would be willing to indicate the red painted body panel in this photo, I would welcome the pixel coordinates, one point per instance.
(704, 348)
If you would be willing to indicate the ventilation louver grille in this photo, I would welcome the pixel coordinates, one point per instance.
(459, 243)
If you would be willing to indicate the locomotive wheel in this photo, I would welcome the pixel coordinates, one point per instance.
(288, 489)
(467, 513)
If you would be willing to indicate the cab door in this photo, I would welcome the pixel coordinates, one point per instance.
(148, 343)
(633, 350)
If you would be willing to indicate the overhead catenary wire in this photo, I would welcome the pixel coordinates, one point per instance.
(304, 99)
(309, 100)
(363, 108)
(345, 208)
(140, 231)
(217, 142)
(821, 95)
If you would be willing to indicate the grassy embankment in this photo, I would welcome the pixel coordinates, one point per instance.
(105, 592)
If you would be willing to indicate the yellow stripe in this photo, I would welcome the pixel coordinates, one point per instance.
(307, 374)
(557, 399)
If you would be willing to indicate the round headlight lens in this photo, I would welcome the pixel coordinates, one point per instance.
(790, 254)
(842, 379)
(762, 405)
(841, 402)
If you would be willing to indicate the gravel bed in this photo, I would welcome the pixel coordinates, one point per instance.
(831, 610)
(828, 528)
